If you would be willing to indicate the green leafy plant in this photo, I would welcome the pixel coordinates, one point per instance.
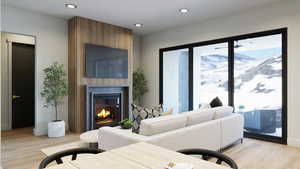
(139, 85)
(126, 124)
(55, 86)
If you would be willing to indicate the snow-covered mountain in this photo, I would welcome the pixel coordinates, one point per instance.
(215, 70)
(267, 69)
(214, 61)
(257, 80)
(260, 85)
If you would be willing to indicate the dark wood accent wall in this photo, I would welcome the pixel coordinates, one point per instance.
(82, 31)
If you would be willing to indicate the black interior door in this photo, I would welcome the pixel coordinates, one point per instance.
(22, 85)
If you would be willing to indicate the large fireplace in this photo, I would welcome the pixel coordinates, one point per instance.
(105, 106)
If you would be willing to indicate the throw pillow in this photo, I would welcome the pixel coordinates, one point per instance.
(157, 110)
(168, 112)
(140, 113)
(216, 102)
(199, 116)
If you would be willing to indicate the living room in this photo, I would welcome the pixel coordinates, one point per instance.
(178, 58)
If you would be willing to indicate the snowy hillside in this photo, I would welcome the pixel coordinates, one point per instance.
(257, 81)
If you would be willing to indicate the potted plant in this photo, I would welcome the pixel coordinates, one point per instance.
(139, 85)
(54, 90)
(126, 124)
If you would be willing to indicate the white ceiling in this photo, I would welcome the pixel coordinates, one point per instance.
(156, 15)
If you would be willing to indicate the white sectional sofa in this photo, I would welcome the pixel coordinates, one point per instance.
(213, 129)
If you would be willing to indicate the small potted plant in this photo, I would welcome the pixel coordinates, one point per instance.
(54, 90)
(126, 124)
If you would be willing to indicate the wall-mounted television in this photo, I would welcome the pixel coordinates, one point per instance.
(106, 62)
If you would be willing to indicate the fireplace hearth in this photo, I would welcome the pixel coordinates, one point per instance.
(105, 106)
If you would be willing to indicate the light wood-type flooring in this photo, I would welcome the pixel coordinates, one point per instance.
(21, 150)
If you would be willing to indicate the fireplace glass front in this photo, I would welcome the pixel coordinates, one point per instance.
(106, 109)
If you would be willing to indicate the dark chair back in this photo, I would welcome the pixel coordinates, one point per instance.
(72, 152)
(207, 154)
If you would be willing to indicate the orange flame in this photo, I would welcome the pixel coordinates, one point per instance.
(103, 113)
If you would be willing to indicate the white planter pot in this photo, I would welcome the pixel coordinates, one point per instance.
(56, 129)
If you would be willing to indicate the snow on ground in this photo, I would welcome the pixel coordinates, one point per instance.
(262, 91)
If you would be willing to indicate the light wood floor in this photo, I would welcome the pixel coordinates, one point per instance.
(254, 154)
(21, 150)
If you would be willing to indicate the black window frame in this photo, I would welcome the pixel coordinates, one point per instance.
(230, 41)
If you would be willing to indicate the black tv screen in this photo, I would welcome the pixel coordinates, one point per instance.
(106, 62)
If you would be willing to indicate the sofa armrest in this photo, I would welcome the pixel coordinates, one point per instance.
(114, 137)
(232, 128)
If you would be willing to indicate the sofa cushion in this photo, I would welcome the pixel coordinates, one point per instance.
(199, 116)
(162, 124)
(140, 113)
(223, 111)
(204, 106)
(205, 135)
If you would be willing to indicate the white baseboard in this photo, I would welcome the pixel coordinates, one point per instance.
(295, 142)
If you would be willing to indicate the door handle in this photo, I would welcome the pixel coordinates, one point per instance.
(15, 97)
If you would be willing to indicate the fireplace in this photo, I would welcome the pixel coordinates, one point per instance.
(105, 106)
(106, 109)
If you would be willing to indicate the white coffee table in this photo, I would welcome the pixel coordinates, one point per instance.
(91, 138)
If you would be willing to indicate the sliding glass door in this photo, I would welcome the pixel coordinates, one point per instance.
(210, 74)
(248, 72)
(258, 83)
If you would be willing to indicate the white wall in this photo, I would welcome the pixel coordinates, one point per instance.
(51, 45)
(277, 15)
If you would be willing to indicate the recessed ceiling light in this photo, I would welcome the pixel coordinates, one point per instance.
(138, 25)
(72, 6)
(184, 10)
